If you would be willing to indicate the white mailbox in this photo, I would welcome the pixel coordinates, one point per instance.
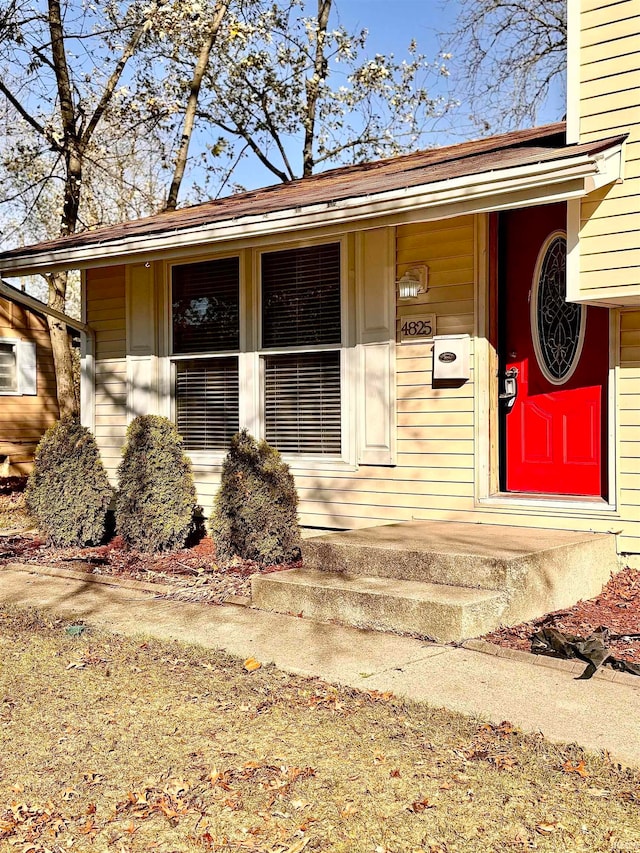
(451, 357)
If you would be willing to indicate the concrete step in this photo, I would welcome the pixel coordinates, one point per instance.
(441, 612)
(485, 556)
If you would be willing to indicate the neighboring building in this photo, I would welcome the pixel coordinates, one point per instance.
(28, 402)
(483, 397)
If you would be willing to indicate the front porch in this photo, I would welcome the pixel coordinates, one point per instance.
(443, 580)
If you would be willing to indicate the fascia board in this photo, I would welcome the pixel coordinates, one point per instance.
(610, 165)
(467, 189)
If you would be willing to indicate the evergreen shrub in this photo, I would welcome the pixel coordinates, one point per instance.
(255, 512)
(68, 491)
(156, 496)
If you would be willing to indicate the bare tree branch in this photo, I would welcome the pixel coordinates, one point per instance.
(192, 103)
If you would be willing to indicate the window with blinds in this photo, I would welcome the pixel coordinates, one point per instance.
(206, 306)
(207, 402)
(301, 296)
(8, 367)
(302, 402)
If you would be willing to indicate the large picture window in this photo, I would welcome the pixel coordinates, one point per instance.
(206, 326)
(287, 381)
(300, 309)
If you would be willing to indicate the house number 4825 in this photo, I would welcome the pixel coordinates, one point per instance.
(417, 327)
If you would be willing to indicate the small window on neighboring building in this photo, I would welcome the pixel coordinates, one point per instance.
(205, 300)
(8, 367)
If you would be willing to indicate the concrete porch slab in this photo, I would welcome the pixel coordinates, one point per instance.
(398, 576)
(477, 555)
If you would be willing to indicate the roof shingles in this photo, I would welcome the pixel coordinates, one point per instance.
(519, 148)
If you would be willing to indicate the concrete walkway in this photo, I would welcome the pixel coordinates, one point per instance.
(599, 714)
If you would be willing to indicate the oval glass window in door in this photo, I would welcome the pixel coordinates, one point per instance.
(557, 326)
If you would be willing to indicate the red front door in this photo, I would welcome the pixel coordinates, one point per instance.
(554, 432)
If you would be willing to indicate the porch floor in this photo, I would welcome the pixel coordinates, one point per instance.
(529, 572)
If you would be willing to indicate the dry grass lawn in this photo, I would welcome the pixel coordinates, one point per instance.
(112, 744)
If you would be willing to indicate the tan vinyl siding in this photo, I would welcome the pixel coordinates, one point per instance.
(629, 430)
(106, 315)
(609, 87)
(23, 419)
(434, 426)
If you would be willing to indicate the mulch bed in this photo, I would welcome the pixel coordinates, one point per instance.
(194, 572)
(617, 609)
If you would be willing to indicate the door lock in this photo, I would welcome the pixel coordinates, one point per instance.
(509, 388)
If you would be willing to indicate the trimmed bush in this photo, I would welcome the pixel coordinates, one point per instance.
(68, 492)
(156, 496)
(255, 509)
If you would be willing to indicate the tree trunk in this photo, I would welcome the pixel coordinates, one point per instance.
(190, 112)
(320, 68)
(68, 401)
(67, 396)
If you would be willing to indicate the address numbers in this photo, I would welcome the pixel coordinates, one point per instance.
(417, 327)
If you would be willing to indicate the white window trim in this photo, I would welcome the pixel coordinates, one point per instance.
(250, 356)
(19, 345)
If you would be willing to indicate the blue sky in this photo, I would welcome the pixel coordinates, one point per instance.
(393, 23)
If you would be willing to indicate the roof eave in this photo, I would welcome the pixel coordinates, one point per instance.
(568, 177)
(28, 301)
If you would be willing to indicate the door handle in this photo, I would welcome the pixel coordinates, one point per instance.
(509, 388)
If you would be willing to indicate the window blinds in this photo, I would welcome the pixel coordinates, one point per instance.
(302, 402)
(206, 306)
(207, 396)
(8, 372)
(301, 296)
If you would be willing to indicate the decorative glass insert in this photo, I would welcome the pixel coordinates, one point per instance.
(557, 324)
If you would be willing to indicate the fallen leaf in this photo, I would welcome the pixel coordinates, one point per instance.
(421, 805)
(578, 768)
(395, 774)
(88, 827)
(546, 828)
(348, 811)
(298, 846)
